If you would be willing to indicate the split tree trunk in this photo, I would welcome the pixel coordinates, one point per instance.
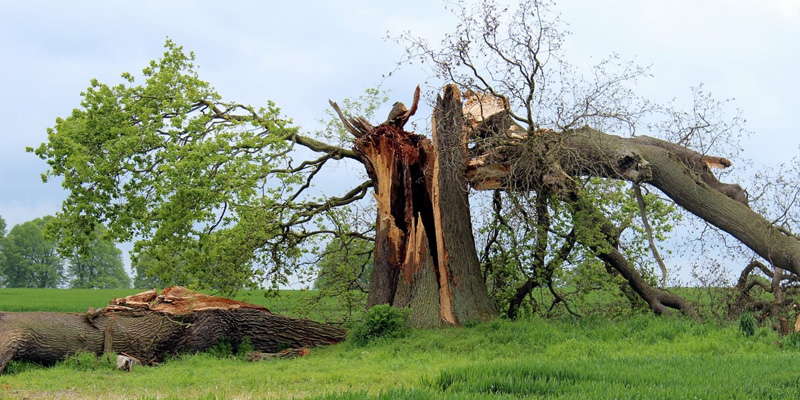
(425, 255)
(176, 321)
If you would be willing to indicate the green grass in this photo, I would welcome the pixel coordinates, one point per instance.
(293, 303)
(643, 357)
(60, 300)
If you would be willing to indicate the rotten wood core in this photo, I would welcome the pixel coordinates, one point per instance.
(150, 326)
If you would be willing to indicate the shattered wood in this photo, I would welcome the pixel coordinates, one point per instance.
(150, 326)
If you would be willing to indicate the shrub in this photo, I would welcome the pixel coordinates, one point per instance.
(222, 349)
(747, 324)
(381, 321)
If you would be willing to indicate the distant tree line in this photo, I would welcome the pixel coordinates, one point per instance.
(29, 259)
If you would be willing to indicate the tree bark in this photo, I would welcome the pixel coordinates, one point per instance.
(178, 321)
(425, 255)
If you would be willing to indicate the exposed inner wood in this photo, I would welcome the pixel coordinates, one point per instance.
(149, 327)
(445, 297)
(413, 258)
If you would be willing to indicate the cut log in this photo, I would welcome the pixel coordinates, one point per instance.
(178, 320)
(125, 362)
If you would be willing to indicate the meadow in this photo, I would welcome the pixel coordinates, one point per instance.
(639, 356)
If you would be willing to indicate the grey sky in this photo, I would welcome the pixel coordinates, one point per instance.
(300, 54)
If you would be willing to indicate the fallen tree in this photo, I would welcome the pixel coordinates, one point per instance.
(214, 190)
(149, 327)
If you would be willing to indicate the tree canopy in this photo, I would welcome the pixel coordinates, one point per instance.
(220, 193)
(209, 187)
(29, 259)
(100, 267)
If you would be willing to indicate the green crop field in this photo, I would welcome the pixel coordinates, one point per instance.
(639, 357)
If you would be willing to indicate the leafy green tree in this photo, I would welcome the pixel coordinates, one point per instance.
(141, 278)
(345, 265)
(343, 271)
(208, 185)
(98, 267)
(29, 258)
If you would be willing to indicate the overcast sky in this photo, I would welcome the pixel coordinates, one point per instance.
(300, 54)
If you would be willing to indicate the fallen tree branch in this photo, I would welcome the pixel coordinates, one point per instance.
(637, 191)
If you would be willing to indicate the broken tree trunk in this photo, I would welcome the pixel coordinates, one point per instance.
(149, 327)
(425, 255)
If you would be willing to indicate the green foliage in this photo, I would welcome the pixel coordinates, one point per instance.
(244, 347)
(747, 324)
(18, 367)
(345, 266)
(29, 258)
(222, 349)
(792, 341)
(144, 276)
(168, 161)
(229, 349)
(209, 188)
(98, 267)
(528, 232)
(381, 321)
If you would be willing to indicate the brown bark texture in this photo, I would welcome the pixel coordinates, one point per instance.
(150, 326)
(425, 255)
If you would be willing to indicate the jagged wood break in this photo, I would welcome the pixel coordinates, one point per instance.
(425, 257)
(425, 254)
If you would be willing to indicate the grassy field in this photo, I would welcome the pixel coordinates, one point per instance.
(295, 303)
(641, 357)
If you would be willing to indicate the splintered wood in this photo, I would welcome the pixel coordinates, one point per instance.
(419, 188)
(177, 300)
